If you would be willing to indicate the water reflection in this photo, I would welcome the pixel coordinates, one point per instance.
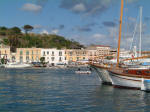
(61, 90)
(121, 100)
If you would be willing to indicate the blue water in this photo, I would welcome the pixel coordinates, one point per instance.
(61, 90)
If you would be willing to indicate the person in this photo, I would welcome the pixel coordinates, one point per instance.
(78, 69)
(90, 69)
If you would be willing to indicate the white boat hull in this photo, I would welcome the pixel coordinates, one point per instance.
(125, 81)
(104, 75)
(17, 65)
(83, 72)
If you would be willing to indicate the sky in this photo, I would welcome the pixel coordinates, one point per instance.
(86, 21)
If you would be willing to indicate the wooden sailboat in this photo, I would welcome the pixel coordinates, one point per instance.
(138, 78)
(103, 73)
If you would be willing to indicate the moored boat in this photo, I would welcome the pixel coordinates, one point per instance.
(129, 78)
(17, 65)
(83, 72)
(103, 73)
(138, 78)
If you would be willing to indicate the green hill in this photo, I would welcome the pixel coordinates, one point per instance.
(16, 39)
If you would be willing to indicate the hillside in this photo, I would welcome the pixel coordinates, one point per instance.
(16, 39)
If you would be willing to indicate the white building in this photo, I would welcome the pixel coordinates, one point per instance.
(54, 56)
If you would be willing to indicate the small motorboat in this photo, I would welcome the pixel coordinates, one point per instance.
(17, 65)
(83, 72)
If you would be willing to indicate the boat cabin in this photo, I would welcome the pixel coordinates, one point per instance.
(137, 71)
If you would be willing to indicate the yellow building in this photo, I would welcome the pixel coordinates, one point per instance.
(76, 55)
(28, 55)
(4, 52)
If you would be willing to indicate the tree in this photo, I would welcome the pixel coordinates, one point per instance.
(42, 60)
(15, 30)
(27, 28)
(3, 61)
(3, 31)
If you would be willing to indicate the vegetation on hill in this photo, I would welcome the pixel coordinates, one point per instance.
(16, 39)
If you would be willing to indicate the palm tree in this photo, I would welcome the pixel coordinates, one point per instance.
(27, 28)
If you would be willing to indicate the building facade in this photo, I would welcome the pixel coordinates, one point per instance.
(4, 52)
(102, 50)
(74, 55)
(28, 55)
(54, 56)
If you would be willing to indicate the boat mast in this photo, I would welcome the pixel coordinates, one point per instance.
(140, 31)
(120, 29)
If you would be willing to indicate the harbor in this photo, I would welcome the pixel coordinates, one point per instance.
(74, 56)
(51, 91)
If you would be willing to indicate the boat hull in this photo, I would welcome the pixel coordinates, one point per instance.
(125, 81)
(17, 66)
(103, 75)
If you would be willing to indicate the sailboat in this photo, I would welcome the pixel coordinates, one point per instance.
(103, 73)
(137, 78)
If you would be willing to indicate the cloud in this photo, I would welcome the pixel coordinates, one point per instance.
(147, 19)
(44, 32)
(55, 31)
(86, 7)
(85, 28)
(41, 2)
(61, 27)
(132, 1)
(98, 35)
(31, 7)
(79, 8)
(109, 23)
(37, 26)
(82, 29)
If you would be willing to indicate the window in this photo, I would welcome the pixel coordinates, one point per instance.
(70, 53)
(60, 53)
(21, 59)
(47, 52)
(44, 53)
(27, 52)
(65, 58)
(78, 58)
(139, 72)
(52, 53)
(147, 72)
(60, 59)
(27, 58)
(32, 59)
(32, 52)
(21, 52)
(52, 58)
(37, 58)
(37, 52)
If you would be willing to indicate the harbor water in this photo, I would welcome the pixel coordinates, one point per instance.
(61, 90)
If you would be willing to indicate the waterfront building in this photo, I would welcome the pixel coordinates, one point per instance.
(98, 51)
(92, 53)
(28, 55)
(102, 50)
(74, 55)
(54, 56)
(4, 52)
